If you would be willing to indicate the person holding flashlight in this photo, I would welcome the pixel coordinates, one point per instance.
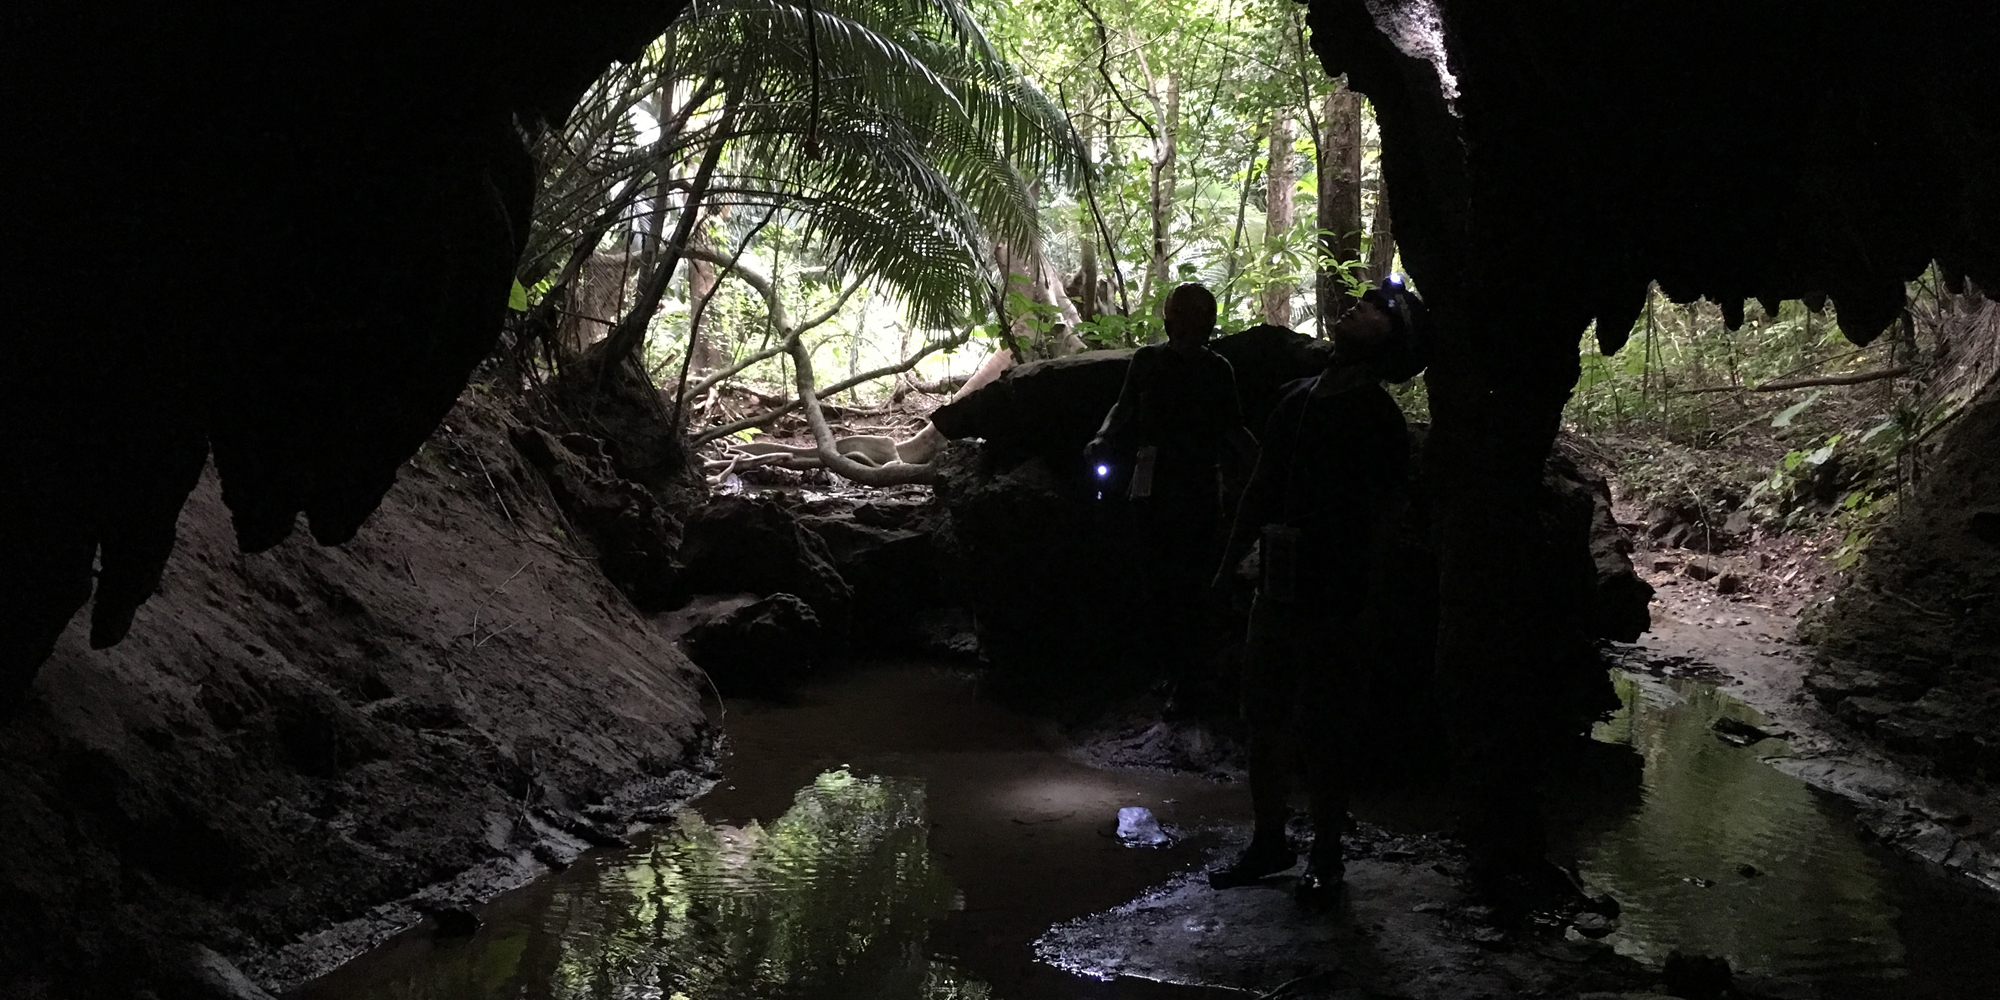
(1321, 504)
(1176, 420)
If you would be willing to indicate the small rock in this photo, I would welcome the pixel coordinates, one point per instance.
(447, 921)
(1697, 881)
(1137, 827)
(1594, 925)
(1738, 733)
(760, 649)
(1749, 871)
(1739, 523)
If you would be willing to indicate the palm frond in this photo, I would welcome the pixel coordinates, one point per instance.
(899, 141)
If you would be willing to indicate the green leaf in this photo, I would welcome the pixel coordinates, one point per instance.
(517, 297)
(1789, 413)
(1886, 425)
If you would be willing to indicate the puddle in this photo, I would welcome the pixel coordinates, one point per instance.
(888, 837)
(1722, 854)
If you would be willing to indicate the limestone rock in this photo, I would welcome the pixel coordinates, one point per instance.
(893, 573)
(760, 649)
(1909, 650)
(738, 544)
(1053, 408)
(1620, 602)
(1050, 407)
(1266, 357)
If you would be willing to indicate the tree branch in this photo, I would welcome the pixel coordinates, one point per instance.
(701, 308)
(631, 331)
(832, 310)
(1104, 70)
(760, 419)
(1856, 378)
(829, 456)
(773, 304)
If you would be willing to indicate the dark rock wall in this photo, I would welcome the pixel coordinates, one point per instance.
(283, 235)
(1910, 651)
(1727, 149)
(301, 737)
(1045, 566)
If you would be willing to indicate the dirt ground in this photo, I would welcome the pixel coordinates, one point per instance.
(293, 748)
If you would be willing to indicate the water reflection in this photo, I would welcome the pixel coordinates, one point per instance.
(832, 900)
(1812, 901)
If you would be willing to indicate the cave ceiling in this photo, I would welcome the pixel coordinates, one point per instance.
(282, 236)
(1751, 149)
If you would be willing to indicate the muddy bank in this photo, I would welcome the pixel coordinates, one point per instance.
(289, 743)
(1744, 641)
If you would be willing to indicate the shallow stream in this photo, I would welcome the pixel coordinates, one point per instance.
(1722, 854)
(891, 836)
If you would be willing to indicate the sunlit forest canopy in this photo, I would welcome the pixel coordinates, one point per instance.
(888, 181)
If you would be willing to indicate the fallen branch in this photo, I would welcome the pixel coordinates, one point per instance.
(1806, 383)
(1855, 379)
(760, 419)
(941, 387)
(830, 456)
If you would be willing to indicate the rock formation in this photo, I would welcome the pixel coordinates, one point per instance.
(1647, 146)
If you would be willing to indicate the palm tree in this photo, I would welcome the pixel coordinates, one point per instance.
(889, 131)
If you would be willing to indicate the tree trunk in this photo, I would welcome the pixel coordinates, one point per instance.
(1381, 237)
(593, 304)
(1087, 304)
(1339, 199)
(625, 339)
(1044, 287)
(1236, 236)
(701, 289)
(1166, 102)
(1280, 180)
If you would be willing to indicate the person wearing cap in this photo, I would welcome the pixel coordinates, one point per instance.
(1176, 420)
(1326, 494)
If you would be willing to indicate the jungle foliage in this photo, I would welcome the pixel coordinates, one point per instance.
(913, 174)
(1782, 417)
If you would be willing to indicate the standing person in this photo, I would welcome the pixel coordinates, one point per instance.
(1326, 494)
(1177, 418)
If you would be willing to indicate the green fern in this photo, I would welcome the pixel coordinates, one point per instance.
(890, 132)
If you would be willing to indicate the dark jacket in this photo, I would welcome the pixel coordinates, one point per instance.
(1184, 405)
(1335, 466)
